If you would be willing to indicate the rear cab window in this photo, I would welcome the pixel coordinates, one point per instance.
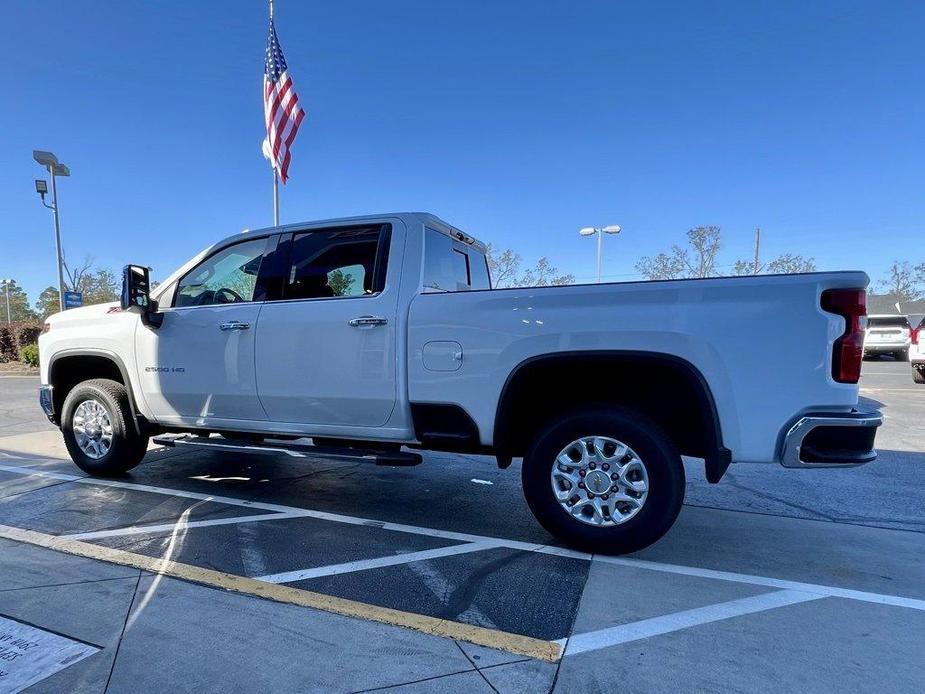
(888, 322)
(452, 266)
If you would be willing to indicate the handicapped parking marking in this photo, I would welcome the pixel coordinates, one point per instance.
(29, 654)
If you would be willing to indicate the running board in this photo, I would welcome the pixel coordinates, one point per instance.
(295, 450)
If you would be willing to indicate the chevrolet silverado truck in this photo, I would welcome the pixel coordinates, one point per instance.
(379, 336)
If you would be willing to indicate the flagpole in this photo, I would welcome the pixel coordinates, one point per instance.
(275, 198)
(275, 175)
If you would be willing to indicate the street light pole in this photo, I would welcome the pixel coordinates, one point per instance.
(55, 169)
(600, 252)
(7, 283)
(600, 231)
(54, 203)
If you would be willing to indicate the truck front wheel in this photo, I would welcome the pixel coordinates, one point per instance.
(98, 429)
(604, 479)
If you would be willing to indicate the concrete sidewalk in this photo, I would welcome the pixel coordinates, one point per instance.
(160, 634)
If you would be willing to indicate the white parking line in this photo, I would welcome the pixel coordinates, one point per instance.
(646, 628)
(364, 564)
(233, 501)
(167, 527)
(818, 589)
(821, 590)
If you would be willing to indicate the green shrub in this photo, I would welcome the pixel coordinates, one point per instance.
(29, 354)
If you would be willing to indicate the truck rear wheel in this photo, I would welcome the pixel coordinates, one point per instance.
(99, 433)
(604, 479)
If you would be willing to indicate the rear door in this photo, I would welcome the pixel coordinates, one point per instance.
(326, 349)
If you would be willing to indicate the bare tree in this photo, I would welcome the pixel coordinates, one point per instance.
(503, 266)
(902, 282)
(97, 285)
(505, 271)
(782, 265)
(698, 260)
(664, 266)
(789, 264)
(76, 276)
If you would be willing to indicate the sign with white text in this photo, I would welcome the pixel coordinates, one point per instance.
(29, 654)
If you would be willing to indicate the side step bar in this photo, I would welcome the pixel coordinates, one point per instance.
(295, 450)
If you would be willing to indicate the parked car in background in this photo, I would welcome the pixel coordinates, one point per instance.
(917, 352)
(888, 334)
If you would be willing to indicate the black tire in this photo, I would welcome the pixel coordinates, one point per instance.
(127, 448)
(918, 375)
(657, 452)
(902, 355)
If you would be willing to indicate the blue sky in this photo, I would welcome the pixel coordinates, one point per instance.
(517, 121)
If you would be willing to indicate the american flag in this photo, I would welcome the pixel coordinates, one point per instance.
(280, 106)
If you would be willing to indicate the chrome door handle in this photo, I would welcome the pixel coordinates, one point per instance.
(367, 320)
(234, 325)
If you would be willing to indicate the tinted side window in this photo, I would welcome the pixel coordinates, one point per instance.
(446, 268)
(336, 263)
(227, 277)
(478, 269)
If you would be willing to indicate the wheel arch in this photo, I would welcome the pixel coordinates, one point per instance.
(689, 413)
(69, 367)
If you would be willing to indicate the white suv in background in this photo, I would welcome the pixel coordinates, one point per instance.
(888, 334)
(917, 352)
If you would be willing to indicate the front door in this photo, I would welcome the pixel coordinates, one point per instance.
(198, 366)
(326, 351)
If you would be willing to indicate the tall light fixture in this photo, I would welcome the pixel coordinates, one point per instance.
(55, 169)
(7, 283)
(600, 231)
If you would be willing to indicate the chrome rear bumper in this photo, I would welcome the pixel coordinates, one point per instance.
(831, 440)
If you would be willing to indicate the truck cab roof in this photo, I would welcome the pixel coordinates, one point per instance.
(410, 218)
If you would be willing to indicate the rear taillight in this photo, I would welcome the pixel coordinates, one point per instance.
(914, 335)
(848, 350)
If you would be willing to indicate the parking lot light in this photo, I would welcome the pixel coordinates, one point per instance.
(55, 168)
(6, 284)
(600, 231)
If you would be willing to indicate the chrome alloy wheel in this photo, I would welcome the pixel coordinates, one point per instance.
(600, 481)
(92, 428)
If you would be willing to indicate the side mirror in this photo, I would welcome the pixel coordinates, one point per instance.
(136, 287)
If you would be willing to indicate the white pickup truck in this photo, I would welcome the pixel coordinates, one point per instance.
(375, 336)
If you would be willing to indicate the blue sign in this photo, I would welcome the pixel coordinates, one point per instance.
(73, 300)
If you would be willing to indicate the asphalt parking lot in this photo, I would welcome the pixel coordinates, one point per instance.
(221, 572)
